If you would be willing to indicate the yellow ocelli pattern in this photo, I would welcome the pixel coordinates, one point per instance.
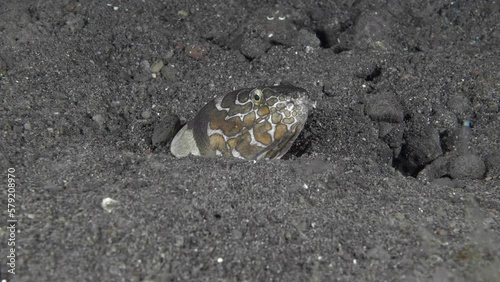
(261, 134)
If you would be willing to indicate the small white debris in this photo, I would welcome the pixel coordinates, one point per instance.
(109, 204)
(220, 260)
(115, 8)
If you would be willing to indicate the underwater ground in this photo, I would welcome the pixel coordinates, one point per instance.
(396, 176)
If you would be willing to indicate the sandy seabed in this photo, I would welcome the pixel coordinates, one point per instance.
(394, 178)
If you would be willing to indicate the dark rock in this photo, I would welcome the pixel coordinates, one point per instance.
(422, 146)
(391, 133)
(384, 107)
(307, 38)
(372, 31)
(169, 73)
(467, 166)
(422, 149)
(279, 29)
(439, 168)
(493, 165)
(165, 130)
(254, 47)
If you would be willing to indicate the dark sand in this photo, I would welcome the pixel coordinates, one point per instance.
(394, 178)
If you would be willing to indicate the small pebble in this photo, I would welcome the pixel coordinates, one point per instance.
(183, 13)
(169, 54)
(169, 73)
(156, 66)
(442, 232)
(146, 114)
(27, 126)
(144, 64)
(99, 119)
(399, 216)
(179, 241)
(195, 51)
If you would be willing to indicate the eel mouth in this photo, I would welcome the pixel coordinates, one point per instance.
(280, 147)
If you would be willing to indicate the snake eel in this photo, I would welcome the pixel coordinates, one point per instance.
(251, 123)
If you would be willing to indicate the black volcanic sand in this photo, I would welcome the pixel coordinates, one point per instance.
(395, 177)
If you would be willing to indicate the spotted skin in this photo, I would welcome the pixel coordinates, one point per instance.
(253, 123)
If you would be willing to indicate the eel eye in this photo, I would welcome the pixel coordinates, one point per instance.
(258, 96)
